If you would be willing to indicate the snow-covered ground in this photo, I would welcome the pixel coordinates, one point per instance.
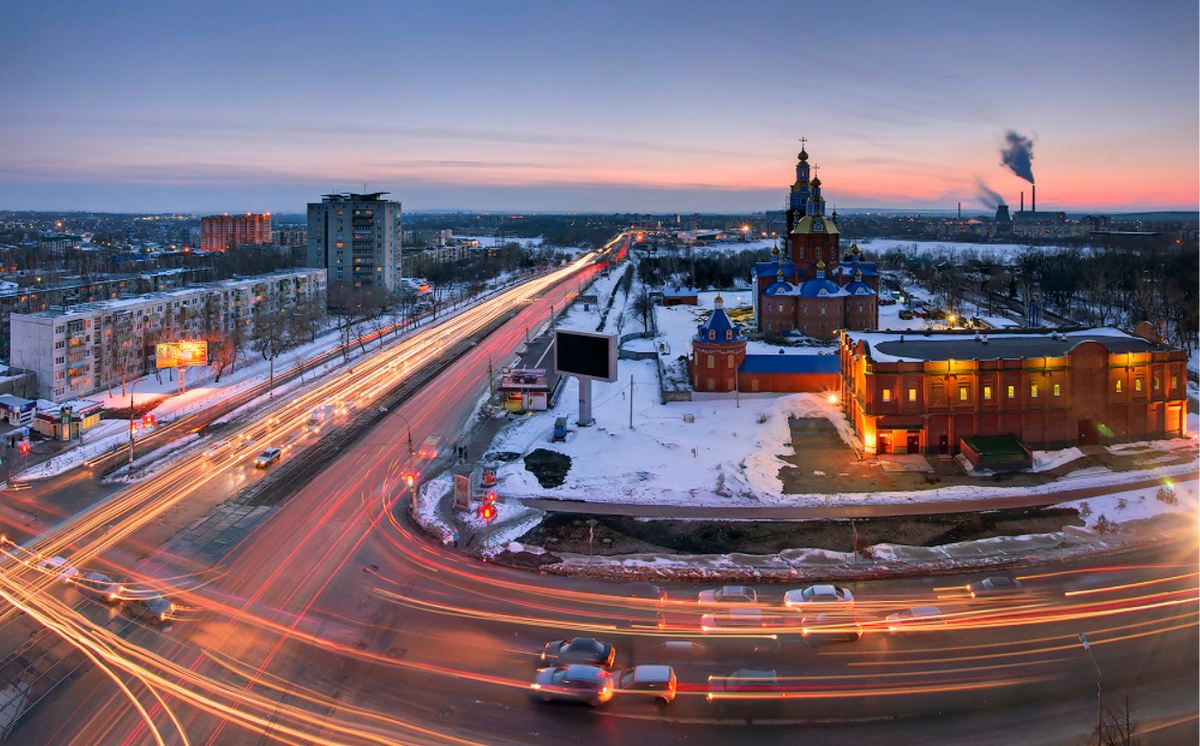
(720, 450)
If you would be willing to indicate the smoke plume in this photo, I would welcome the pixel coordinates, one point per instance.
(990, 199)
(1018, 155)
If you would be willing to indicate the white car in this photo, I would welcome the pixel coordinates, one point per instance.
(60, 568)
(818, 594)
(729, 594)
(916, 619)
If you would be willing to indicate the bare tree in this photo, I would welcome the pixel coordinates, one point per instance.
(223, 349)
(271, 339)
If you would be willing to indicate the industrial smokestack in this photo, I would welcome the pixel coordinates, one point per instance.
(960, 210)
(1022, 200)
(1033, 197)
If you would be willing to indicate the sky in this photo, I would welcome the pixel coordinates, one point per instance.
(613, 106)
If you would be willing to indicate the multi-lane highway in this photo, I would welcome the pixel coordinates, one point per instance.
(333, 622)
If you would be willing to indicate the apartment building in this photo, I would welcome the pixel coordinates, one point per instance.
(357, 238)
(223, 232)
(83, 349)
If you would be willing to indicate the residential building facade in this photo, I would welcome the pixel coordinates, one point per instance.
(224, 232)
(356, 237)
(83, 349)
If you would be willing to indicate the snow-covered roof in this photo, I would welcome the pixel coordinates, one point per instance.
(1008, 345)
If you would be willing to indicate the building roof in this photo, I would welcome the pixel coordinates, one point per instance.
(816, 224)
(820, 287)
(830, 364)
(1009, 345)
(680, 292)
(768, 269)
(720, 323)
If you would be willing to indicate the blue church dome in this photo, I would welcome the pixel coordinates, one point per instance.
(720, 326)
(819, 287)
(779, 287)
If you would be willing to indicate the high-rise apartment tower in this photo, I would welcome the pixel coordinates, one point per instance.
(356, 237)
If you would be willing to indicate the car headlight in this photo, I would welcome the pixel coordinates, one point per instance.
(535, 686)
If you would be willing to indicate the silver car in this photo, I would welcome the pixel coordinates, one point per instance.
(818, 594)
(577, 683)
(100, 587)
(655, 683)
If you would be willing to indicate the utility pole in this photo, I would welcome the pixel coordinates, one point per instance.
(1099, 711)
(630, 401)
(491, 391)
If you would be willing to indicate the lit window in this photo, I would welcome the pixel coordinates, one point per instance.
(887, 394)
(1156, 383)
(1174, 382)
(1118, 385)
(1137, 384)
(712, 334)
(1012, 392)
(987, 393)
(962, 393)
(912, 394)
(1033, 390)
(1057, 390)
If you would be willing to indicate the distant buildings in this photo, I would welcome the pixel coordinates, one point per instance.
(814, 292)
(223, 232)
(83, 349)
(357, 238)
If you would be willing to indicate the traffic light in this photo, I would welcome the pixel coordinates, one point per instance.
(133, 430)
(490, 498)
(24, 447)
(487, 511)
(409, 478)
(148, 422)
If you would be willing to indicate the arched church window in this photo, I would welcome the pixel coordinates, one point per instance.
(729, 362)
(728, 334)
(712, 334)
(712, 363)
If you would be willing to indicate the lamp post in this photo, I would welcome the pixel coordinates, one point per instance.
(410, 445)
(132, 424)
(1099, 712)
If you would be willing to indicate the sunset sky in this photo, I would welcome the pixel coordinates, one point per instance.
(595, 107)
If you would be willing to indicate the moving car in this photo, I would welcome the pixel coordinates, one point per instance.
(267, 457)
(575, 683)
(818, 594)
(729, 594)
(733, 620)
(59, 568)
(216, 449)
(999, 587)
(831, 628)
(147, 604)
(100, 587)
(745, 683)
(656, 683)
(916, 619)
(584, 650)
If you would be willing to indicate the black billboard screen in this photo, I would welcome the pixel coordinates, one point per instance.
(583, 354)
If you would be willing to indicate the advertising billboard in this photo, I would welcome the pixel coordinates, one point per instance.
(585, 354)
(523, 378)
(179, 354)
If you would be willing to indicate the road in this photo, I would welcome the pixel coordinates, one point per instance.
(333, 622)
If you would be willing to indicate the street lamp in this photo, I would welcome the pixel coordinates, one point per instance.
(132, 424)
(1099, 712)
(410, 445)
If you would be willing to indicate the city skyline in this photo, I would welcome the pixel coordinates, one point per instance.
(547, 107)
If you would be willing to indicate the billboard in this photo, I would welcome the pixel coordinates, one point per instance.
(523, 378)
(585, 354)
(178, 354)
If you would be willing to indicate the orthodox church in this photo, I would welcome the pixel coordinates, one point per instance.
(814, 292)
